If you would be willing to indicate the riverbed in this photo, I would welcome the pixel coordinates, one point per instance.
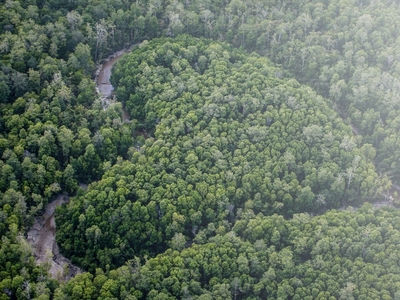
(42, 237)
(103, 85)
(103, 75)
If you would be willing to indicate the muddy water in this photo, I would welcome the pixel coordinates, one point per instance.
(42, 237)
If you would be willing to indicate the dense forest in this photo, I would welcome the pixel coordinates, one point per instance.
(252, 126)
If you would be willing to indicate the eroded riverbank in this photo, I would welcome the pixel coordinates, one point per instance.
(42, 237)
(103, 74)
(102, 80)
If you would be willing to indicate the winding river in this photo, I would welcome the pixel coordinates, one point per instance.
(42, 234)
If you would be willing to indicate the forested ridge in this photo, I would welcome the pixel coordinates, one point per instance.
(230, 136)
(258, 115)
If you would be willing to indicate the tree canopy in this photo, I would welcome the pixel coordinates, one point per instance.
(235, 123)
(338, 255)
(227, 134)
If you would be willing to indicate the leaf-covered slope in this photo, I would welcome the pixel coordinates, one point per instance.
(228, 134)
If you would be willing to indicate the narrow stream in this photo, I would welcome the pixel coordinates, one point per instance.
(103, 84)
(42, 235)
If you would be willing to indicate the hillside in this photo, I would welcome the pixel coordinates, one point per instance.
(250, 123)
(229, 137)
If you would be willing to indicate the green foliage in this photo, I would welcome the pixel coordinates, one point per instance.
(339, 255)
(228, 136)
(20, 277)
(49, 116)
(220, 138)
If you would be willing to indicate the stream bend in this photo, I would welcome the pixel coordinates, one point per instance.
(42, 235)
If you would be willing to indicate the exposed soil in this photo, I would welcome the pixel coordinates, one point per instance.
(42, 237)
(103, 84)
(103, 77)
(142, 132)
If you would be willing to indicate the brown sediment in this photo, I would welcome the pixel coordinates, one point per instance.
(103, 84)
(42, 234)
(103, 78)
(42, 237)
